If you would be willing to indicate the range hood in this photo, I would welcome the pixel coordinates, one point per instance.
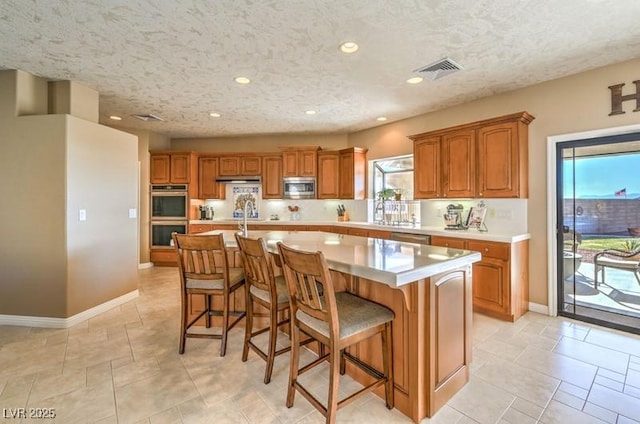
(243, 179)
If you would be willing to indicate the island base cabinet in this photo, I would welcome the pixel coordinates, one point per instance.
(431, 340)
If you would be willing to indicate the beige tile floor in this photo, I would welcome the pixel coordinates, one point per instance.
(123, 367)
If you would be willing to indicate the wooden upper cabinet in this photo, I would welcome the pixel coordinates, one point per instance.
(170, 168)
(272, 177)
(342, 174)
(290, 164)
(426, 176)
(250, 165)
(300, 161)
(160, 169)
(233, 166)
(328, 169)
(209, 188)
(458, 164)
(181, 168)
(487, 159)
(352, 173)
(502, 160)
(229, 166)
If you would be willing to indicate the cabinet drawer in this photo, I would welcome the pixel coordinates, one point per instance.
(199, 228)
(454, 243)
(164, 256)
(490, 249)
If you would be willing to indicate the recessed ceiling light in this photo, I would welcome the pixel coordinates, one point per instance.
(310, 112)
(115, 118)
(415, 80)
(381, 118)
(348, 47)
(214, 114)
(242, 80)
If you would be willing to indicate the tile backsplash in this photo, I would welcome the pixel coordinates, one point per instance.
(503, 215)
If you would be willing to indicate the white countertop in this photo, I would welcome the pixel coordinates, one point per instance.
(390, 262)
(433, 231)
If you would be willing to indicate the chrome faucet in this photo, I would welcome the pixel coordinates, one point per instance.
(243, 227)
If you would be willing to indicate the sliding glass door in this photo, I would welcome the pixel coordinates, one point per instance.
(598, 208)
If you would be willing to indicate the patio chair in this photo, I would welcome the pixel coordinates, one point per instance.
(572, 240)
(624, 260)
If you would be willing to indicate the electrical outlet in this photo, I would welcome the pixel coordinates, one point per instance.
(133, 213)
(82, 215)
(491, 213)
(438, 213)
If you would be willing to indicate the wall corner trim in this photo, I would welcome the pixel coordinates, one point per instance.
(47, 322)
(145, 265)
(538, 308)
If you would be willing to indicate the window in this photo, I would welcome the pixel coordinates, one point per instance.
(394, 173)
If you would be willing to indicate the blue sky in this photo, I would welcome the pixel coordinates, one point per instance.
(602, 176)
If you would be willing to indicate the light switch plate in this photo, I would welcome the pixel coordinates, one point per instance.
(133, 213)
(82, 215)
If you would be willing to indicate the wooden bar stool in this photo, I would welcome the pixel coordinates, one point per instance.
(204, 270)
(264, 288)
(337, 320)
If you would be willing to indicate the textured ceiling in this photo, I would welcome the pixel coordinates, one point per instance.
(178, 59)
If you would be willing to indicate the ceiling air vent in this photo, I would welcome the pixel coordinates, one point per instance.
(439, 69)
(148, 117)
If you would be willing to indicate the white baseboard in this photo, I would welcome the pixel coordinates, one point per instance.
(145, 265)
(538, 308)
(46, 322)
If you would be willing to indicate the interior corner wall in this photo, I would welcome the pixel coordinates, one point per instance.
(102, 179)
(576, 103)
(33, 249)
(31, 94)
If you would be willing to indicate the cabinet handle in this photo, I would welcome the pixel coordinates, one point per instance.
(480, 193)
(486, 249)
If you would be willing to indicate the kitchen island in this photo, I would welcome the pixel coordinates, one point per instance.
(429, 290)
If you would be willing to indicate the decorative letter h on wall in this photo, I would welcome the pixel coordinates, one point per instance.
(617, 98)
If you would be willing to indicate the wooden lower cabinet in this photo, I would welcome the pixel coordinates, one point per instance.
(163, 257)
(431, 339)
(500, 279)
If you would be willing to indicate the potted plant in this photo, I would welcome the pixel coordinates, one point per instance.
(386, 194)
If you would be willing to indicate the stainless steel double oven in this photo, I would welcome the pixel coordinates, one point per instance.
(169, 213)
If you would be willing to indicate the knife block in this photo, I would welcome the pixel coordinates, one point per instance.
(344, 217)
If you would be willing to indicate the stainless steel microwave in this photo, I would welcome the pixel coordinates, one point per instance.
(299, 188)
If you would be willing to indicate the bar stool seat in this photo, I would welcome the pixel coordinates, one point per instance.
(355, 314)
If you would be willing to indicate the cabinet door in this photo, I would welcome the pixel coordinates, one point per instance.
(458, 164)
(229, 166)
(180, 168)
(498, 164)
(160, 169)
(307, 163)
(272, 177)
(352, 174)
(491, 286)
(426, 169)
(290, 164)
(208, 188)
(327, 186)
(250, 165)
